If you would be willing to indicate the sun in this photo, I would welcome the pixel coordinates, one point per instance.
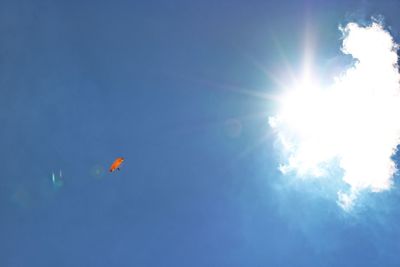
(303, 113)
(298, 106)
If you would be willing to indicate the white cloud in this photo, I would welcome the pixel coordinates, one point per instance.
(354, 123)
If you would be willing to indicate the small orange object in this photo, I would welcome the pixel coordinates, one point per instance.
(116, 164)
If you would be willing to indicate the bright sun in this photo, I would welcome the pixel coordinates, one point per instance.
(304, 111)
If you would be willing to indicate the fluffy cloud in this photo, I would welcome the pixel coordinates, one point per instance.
(354, 124)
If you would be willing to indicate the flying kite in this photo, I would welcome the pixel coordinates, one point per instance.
(116, 164)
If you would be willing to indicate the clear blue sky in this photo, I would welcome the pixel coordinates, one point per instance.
(163, 84)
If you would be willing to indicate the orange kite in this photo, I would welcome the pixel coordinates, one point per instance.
(116, 164)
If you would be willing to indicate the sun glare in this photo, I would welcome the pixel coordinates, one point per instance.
(304, 112)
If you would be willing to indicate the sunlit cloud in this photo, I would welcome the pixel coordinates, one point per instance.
(352, 125)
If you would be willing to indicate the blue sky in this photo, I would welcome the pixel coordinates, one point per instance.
(174, 87)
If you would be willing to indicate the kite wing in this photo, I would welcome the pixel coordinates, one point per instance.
(116, 164)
